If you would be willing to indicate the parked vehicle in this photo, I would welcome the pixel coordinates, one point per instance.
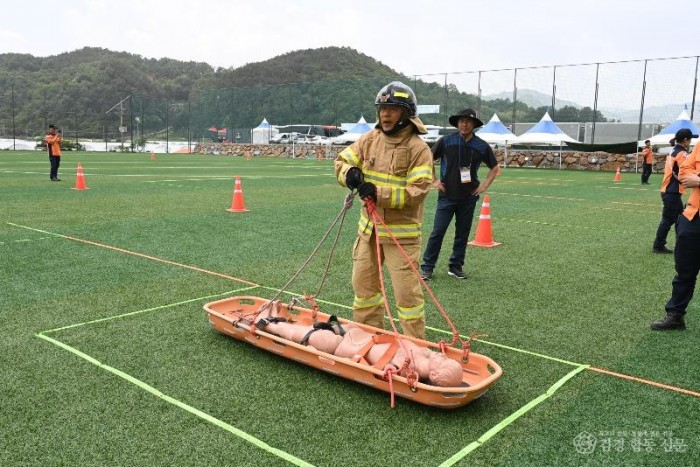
(286, 138)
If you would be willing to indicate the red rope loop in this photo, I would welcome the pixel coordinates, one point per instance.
(314, 305)
(467, 345)
(389, 376)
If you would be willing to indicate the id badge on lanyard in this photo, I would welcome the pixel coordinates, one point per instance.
(465, 174)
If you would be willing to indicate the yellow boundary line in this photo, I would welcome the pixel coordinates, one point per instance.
(152, 390)
(256, 441)
(455, 458)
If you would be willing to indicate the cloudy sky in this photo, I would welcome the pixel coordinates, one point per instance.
(411, 37)
(414, 38)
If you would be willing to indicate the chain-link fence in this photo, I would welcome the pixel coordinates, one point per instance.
(593, 103)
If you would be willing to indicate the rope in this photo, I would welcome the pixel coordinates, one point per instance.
(347, 204)
(372, 211)
(406, 364)
(389, 374)
(467, 345)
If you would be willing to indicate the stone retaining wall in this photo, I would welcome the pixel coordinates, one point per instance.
(570, 160)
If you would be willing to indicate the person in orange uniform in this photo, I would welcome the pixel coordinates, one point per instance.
(53, 144)
(647, 162)
(687, 253)
(672, 189)
(392, 166)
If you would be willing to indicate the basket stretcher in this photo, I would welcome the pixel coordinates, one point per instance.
(234, 317)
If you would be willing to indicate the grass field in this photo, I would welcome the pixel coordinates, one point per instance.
(107, 357)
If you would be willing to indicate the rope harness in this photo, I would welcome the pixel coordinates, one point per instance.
(408, 367)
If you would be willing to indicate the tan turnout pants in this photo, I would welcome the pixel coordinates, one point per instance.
(368, 307)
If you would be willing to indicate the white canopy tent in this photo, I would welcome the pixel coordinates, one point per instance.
(262, 133)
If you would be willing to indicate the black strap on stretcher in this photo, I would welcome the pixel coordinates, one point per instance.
(328, 326)
(265, 321)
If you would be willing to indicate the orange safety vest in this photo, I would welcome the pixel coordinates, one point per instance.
(53, 144)
(648, 155)
(671, 169)
(691, 166)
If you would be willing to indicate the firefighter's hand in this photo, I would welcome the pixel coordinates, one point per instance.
(354, 178)
(368, 190)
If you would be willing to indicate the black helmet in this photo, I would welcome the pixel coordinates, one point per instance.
(397, 93)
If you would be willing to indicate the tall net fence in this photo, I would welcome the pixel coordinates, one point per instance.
(592, 103)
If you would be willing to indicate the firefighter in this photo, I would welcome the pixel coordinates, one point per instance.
(392, 166)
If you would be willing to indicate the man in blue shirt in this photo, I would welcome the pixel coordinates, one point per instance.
(460, 155)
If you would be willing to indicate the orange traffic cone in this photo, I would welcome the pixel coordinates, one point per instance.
(237, 204)
(79, 179)
(618, 176)
(153, 156)
(484, 236)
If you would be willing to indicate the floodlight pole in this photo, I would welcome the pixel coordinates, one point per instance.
(554, 90)
(515, 93)
(167, 124)
(695, 88)
(478, 90)
(14, 147)
(595, 102)
(641, 108)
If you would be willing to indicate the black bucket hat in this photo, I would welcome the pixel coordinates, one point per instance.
(468, 113)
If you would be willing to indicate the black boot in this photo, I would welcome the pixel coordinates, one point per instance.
(671, 321)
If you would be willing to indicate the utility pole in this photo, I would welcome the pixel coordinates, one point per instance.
(122, 128)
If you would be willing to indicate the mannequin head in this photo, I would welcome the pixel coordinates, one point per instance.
(443, 371)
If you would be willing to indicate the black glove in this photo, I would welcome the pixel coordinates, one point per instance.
(368, 190)
(354, 178)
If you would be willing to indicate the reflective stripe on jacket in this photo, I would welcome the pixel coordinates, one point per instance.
(401, 167)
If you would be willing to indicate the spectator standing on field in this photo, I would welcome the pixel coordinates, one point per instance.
(460, 155)
(647, 162)
(53, 145)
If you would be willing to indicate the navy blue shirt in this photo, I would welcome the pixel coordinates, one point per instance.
(454, 153)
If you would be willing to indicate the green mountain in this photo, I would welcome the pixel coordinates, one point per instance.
(319, 86)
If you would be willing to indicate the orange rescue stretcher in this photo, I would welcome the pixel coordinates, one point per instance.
(235, 317)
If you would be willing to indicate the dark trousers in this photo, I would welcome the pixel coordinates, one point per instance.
(55, 162)
(463, 212)
(646, 172)
(673, 207)
(687, 255)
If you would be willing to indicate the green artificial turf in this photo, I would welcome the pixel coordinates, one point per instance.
(573, 283)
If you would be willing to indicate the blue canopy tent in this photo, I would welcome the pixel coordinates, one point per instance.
(665, 135)
(545, 132)
(354, 133)
(361, 127)
(495, 132)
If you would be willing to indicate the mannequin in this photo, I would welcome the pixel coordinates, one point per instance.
(432, 367)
